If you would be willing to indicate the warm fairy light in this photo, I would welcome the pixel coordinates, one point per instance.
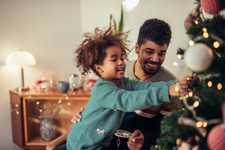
(191, 43)
(199, 124)
(175, 64)
(16, 105)
(196, 22)
(179, 56)
(216, 44)
(178, 141)
(190, 94)
(60, 101)
(69, 104)
(219, 86)
(204, 29)
(205, 35)
(40, 110)
(196, 104)
(66, 97)
(37, 103)
(210, 84)
(17, 112)
(177, 88)
(205, 124)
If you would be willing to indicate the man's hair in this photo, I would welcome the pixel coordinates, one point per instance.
(154, 30)
(92, 50)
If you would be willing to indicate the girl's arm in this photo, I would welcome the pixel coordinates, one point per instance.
(110, 96)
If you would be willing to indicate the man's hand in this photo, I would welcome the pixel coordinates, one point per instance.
(136, 140)
(77, 117)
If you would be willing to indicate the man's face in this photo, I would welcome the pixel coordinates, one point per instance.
(151, 56)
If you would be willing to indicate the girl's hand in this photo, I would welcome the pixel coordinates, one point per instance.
(77, 117)
(136, 140)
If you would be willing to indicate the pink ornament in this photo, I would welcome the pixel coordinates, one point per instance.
(216, 138)
(211, 6)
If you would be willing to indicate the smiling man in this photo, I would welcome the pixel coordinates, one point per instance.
(152, 43)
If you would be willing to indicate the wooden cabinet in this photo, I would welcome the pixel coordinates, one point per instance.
(29, 108)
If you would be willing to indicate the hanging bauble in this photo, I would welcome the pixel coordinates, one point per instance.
(198, 57)
(216, 138)
(211, 6)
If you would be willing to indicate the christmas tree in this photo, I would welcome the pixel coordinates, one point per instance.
(199, 125)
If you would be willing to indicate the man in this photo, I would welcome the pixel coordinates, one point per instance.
(152, 43)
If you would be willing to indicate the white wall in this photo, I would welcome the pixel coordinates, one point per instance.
(95, 13)
(50, 30)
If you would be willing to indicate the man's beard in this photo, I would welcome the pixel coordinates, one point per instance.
(151, 70)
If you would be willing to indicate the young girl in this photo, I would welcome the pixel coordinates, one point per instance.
(104, 53)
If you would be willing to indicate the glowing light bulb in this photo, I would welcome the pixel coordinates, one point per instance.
(205, 124)
(210, 84)
(205, 35)
(179, 56)
(190, 94)
(178, 141)
(204, 29)
(177, 88)
(199, 124)
(196, 104)
(196, 22)
(60, 101)
(175, 64)
(191, 43)
(216, 44)
(219, 86)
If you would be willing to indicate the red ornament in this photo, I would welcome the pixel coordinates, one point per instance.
(216, 138)
(212, 7)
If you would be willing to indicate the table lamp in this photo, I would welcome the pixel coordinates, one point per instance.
(21, 59)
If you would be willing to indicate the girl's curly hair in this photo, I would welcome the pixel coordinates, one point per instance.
(93, 48)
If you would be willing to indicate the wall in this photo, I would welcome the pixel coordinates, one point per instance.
(50, 30)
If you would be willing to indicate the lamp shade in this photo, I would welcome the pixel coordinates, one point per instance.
(20, 58)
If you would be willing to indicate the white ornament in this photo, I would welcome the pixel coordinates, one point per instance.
(198, 57)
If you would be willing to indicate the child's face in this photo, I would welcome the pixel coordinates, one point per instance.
(113, 66)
